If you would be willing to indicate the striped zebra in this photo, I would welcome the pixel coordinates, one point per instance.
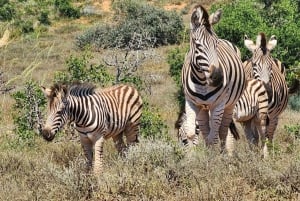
(213, 79)
(263, 67)
(251, 111)
(98, 114)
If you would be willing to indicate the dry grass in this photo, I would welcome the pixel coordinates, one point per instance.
(152, 170)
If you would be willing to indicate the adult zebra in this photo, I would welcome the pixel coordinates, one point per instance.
(251, 111)
(98, 114)
(263, 67)
(213, 79)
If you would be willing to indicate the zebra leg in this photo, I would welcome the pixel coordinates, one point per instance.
(227, 138)
(87, 146)
(119, 143)
(270, 133)
(189, 125)
(249, 132)
(216, 116)
(98, 165)
(202, 122)
(131, 133)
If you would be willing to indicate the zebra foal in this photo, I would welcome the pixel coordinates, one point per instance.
(213, 80)
(262, 66)
(251, 111)
(98, 114)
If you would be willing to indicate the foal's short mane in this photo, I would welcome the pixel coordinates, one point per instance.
(76, 89)
(263, 42)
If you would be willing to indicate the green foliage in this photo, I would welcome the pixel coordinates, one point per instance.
(280, 18)
(293, 130)
(43, 18)
(65, 9)
(26, 112)
(148, 25)
(175, 60)
(7, 10)
(152, 125)
(294, 102)
(78, 70)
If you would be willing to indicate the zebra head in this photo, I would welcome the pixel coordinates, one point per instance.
(261, 56)
(57, 110)
(203, 42)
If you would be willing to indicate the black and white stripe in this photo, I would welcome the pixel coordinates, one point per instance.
(251, 111)
(262, 66)
(98, 115)
(213, 80)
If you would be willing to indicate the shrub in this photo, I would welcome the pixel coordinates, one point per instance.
(27, 116)
(280, 18)
(135, 18)
(78, 70)
(7, 10)
(152, 125)
(43, 18)
(65, 9)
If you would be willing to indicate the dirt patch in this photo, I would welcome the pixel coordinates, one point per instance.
(106, 5)
(175, 6)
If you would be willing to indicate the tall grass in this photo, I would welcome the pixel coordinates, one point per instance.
(151, 170)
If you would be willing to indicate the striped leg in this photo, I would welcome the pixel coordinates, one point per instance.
(119, 143)
(98, 165)
(227, 141)
(131, 133)
(270, 133)
(203, 123)
(189, 126)
(87, 146)
(215, 119)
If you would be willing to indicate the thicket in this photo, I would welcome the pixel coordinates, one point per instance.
(135, 19)
(26, 16)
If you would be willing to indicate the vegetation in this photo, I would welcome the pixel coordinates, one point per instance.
(157, 168)
(151, 25)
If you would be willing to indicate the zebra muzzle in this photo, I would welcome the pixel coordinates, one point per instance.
(47, 135)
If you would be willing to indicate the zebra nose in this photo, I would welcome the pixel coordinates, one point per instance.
(47, 135)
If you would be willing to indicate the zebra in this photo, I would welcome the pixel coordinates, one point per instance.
(251, 111)
(264, 67)
(213, 80)
(98, 114)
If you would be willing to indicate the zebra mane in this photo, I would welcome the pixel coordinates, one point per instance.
(79, 89)
(261, 42)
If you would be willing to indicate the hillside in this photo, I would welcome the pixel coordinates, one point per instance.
(152, 170)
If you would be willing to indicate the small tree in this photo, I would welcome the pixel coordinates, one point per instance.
(27, 116)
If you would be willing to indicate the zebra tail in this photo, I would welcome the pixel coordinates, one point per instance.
(295, 86)
(234, 131)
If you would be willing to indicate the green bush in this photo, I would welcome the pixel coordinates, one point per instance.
(28, 103)
(43, 18)
(293, 130)
(78, 70)
(7, 10)
(138, 25)
(65, 9)
(152, 125)
(280, 18)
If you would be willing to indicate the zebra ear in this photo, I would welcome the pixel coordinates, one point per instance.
(272, 43)
(249, 44)
(46, 91)
(215, 17)
(195, 18)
